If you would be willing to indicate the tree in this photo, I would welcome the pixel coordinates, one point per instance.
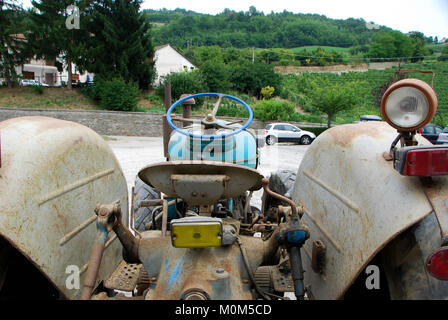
(13, 48)
(419, 46)
(50, 37)
(190, 82)
(254, 28)
(250, 77)
(391, 44)
(216, 76)
(269, 56)
(120, 43)
(333, 97)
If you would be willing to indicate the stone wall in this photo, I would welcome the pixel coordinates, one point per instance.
(113, 123)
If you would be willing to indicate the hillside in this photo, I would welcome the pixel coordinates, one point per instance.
(51, 98)
(183, 28)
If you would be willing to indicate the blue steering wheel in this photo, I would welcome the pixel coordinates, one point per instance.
(245, 126)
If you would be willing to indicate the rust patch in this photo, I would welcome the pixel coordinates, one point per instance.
(345, 134)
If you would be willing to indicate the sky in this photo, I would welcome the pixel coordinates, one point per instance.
(427, 16)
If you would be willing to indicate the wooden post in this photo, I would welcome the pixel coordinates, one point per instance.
(186, 106)
(166, 127)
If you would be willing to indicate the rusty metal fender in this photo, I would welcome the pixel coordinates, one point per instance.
(354, 202)
(53, 173)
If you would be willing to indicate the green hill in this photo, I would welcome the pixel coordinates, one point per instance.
(183, 28)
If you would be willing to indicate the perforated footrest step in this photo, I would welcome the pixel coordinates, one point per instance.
(125, 277)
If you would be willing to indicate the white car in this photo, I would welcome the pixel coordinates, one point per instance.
(285, 132)
(29, 82)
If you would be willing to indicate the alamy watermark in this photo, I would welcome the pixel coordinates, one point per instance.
(73, 19)
(72, 282)
(373, 278)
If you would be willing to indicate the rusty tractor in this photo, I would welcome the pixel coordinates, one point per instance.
(362, 192)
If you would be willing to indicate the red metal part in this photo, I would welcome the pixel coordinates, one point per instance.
(426, 162)
(437, 264)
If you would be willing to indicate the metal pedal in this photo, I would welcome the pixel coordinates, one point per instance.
(125, 277)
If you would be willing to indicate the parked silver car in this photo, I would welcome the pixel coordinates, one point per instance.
(443, 136)
(29, 82)
(285, 132)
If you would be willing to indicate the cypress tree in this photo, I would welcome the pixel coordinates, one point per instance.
(120, 44)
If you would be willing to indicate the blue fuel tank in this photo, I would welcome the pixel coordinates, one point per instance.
(240, 148)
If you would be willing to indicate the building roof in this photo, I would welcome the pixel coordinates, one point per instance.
(169, 45)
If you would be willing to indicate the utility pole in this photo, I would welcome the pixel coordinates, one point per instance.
(253, 54)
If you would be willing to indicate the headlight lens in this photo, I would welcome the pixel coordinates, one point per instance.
(409, 104)
(407, 107)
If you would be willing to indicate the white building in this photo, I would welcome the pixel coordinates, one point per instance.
(46, 72)
(168, 60)
(40, 70)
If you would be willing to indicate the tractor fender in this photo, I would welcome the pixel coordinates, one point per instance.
(52, 175)
(354, 202)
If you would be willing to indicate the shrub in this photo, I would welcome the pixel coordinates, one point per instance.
(37, 89)
(284, 62)
(216, 76)
(274, 110)
(190, 82)
(267, 92)
(116, 94)
(94, 91)
(232, 110)
(250, 77)
(299, 117)
(316, 130)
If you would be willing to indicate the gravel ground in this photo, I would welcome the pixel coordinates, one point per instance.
(134, 153)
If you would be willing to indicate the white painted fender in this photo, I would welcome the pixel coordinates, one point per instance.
(354, 201)
(52, 175)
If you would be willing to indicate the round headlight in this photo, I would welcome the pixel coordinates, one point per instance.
(409, 104)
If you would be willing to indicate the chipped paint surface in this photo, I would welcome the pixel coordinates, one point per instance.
(174, 274)
(218, 271)
(354, 201)
(53, 174)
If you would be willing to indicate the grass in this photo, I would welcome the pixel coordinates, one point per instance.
(51, 98)
(437, 48)
(106, 138)
(63, 98)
